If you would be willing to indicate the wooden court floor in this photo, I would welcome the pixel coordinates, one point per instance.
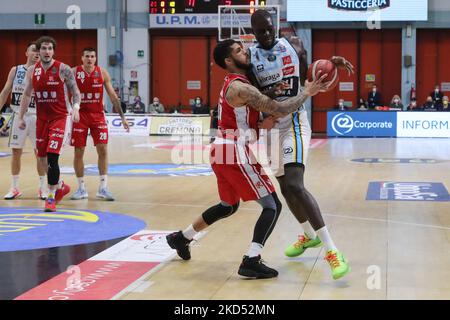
(396, 249)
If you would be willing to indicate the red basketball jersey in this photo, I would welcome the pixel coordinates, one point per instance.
(238, 119)
(50, 92)
(91, 89)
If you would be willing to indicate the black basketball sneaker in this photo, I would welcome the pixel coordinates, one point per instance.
(254, 268)
(177, 241)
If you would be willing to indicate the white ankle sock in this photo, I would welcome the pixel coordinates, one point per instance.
(255, 249)
(42, 182)
(103, 181)
(325, 237)
(15, 181)
(189, 232)
(81, 184)
(309, 230)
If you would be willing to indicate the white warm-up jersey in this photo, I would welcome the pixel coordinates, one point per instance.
(18, 88)
(274, 65)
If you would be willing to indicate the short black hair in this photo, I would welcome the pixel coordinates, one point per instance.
(222, 51)
(260, 13)
(46, 39)
(30, 44)
(89, 49)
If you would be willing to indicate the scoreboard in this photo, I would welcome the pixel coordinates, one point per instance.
(195, 6)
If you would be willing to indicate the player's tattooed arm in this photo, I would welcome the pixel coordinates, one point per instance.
(297, 44)
(6, 91)
(71, 83)
(240, 93)
(26, 97)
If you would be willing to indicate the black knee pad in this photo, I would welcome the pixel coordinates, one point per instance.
(53, 169)
(218, 212)
(277, 202)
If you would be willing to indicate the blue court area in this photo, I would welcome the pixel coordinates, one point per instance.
(147, 170)
(25, 228)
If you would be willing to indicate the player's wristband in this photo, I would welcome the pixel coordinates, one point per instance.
(76, 106)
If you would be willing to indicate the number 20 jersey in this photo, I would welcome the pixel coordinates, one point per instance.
(281, 63)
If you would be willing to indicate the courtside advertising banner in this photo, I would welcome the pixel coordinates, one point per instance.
(362, 124)
(139, 125)
(423, 124)
(357, 10)
(180, 125)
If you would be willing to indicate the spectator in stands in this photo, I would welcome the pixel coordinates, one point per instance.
(156, 106)
(177, 109)
(138, 106)
(437, 95)
(429, 104)
(414, 107)
(374, 99)
(445, 106)
(362, 104)
(396, 103)
(341, 106)
(198, 107)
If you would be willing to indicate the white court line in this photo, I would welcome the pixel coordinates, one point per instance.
(325, 214)
(390, 221)
(141, 284)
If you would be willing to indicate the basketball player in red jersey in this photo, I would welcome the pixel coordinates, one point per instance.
(239, 175)
(90, 80)
(50, 79)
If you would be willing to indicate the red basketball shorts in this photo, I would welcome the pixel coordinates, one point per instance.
(93, 122)
(51, 135)
(239, 175)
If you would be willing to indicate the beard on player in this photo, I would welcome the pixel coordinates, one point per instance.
(46, 59)
(244, 66)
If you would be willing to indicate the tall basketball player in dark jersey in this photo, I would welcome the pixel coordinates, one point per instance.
(50, 79)
(274, 60)
(239, 175)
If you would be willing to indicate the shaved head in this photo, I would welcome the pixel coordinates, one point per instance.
(260, 14)
(263, 28)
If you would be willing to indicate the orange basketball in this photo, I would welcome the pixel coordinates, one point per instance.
(327, 67)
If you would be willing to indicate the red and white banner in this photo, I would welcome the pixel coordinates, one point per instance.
(90, 280)
(110, 272)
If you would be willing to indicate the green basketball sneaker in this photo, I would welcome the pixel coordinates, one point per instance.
(339, 266)
(301, 245)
